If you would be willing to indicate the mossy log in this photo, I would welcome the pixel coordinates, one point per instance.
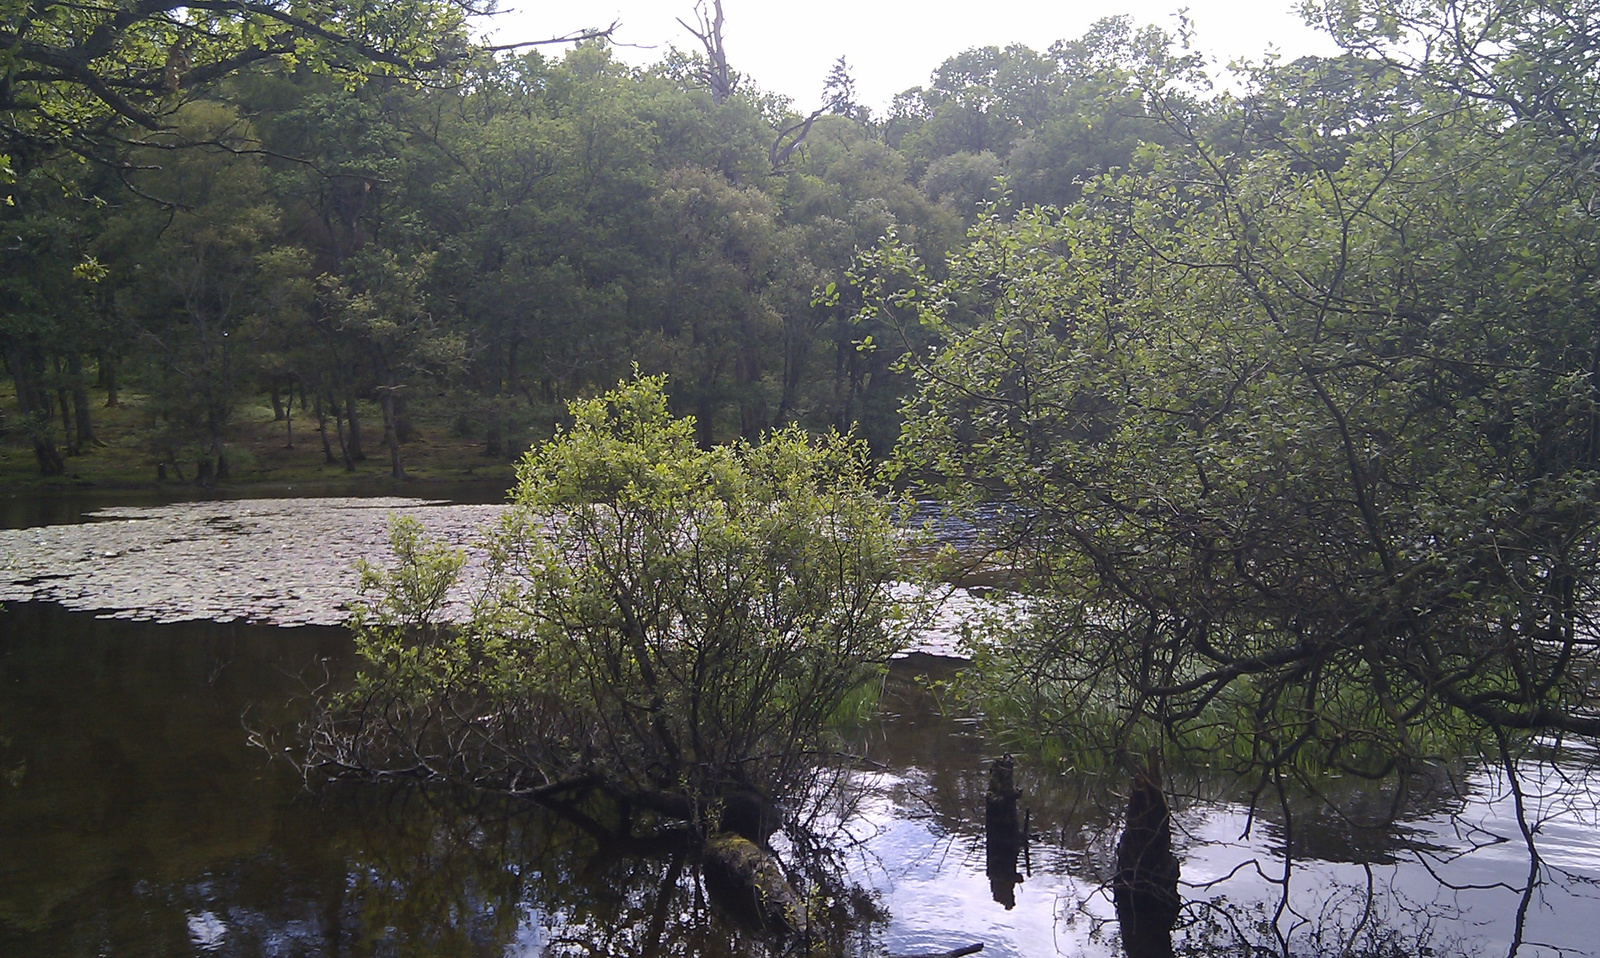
(745, 882)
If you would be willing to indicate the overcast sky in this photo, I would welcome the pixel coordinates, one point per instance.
(892, 45)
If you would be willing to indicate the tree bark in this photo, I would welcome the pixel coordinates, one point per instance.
(1002, 832)
(322, 428)
(402, 418)
(354, 452)
(745, 882)
(344, 446)
(1145, 887)
(107, 373)
(34, 406)
(391, 431)
(708, 30)
(80, 400)
(65, 405)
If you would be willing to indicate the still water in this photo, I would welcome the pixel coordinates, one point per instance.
(137, 819)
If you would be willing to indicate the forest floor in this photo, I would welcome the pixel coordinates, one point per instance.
(258, 453)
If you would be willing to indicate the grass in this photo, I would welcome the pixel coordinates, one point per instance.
(258, 452)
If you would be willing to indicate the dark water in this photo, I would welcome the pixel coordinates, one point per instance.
(26, 510)
(137, 819)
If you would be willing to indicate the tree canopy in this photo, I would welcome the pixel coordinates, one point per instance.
(1295, 420)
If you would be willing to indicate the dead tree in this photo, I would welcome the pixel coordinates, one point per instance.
(708, 30)
(838, 97)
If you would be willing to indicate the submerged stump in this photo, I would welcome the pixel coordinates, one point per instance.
(1003, 834)
(1145, 888)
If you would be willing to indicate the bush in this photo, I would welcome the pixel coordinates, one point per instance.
(674, 624)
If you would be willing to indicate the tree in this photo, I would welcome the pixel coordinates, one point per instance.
(195, 282)
(76, 75)
(714, 71)
(538, 185)
(714, 322)
(379, 306)
(675, 626)
(1296, 439)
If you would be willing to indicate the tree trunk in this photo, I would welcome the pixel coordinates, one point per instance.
(1003, 835)
(80, 400)
(108, 378)
(745, 882)
(322, 427)
(391, 431)
(494, 439)
(1145, 887)
(288, 417)
(513, 382)
(34, 406)
(64, 403)
(354, 452)
(402, 419)
(344, 446)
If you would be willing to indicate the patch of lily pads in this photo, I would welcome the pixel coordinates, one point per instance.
(283, 562)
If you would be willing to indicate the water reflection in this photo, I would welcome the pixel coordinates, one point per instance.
(134, 820)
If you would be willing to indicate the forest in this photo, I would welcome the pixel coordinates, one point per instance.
(474, 237)
(379, 225)
(1276, 395)
(1294, 381)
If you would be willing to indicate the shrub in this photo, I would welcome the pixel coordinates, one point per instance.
(674, 624)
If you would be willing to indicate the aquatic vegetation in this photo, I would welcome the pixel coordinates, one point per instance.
(274, 561)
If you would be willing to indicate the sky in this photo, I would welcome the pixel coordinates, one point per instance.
(892, 45)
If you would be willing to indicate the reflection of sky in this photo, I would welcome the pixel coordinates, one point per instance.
(938, 898)
(1461, 896)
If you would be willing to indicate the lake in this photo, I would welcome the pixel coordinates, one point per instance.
(136, 817)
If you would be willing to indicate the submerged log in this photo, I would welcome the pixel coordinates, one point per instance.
(961, 952)
(1003, 835)
(1145, 887)
(745, 882)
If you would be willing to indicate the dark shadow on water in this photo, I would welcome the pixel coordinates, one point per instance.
(24, 510)
(140, 823)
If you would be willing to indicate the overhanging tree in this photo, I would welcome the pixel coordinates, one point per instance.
(1297, 435)
(73, 74)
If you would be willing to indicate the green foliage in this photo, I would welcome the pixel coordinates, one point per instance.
(666, 618)
(481, 251)
(73, 73)
(1297, 431)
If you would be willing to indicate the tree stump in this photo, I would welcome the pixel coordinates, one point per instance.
(1145, 888)
(1002, 832)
